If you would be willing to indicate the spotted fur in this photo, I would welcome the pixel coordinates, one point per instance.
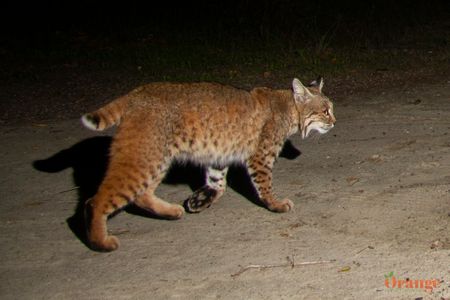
(210, 124)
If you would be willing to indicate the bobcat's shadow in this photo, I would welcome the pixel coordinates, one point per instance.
(89, 160)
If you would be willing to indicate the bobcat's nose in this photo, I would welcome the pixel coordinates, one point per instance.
(333, 120)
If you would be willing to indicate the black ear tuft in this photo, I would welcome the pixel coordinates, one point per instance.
(320, 79)
(318, 83)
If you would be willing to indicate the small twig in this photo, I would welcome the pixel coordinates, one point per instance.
(69, 190)
(291, 263)
(363, 249)
(291, 260)
(120, 231)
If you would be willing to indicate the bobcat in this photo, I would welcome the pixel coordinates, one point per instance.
(210, 124)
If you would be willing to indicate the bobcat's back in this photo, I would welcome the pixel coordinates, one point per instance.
(204, 98)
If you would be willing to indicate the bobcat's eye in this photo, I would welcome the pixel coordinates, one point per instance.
(326, 112)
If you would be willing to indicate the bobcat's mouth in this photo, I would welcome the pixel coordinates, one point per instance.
(318, 127)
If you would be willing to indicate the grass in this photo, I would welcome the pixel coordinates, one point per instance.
(203, 61)
(180, 60)
(271, 42)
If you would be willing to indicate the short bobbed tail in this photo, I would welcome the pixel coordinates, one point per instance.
(105, 117)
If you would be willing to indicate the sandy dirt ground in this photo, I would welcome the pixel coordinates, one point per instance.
(372, 203)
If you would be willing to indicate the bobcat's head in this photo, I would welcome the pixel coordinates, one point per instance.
(314, 108)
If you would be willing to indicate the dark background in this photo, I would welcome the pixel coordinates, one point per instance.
(61, 58)
(374, 22)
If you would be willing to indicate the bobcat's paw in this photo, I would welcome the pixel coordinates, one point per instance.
(282, 206)
(110, 243)
(201, 199)
(176, 212)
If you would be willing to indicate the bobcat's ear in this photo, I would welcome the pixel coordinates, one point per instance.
(318, 83)
(301, 93)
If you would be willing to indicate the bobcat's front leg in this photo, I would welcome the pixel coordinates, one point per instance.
(260, 170)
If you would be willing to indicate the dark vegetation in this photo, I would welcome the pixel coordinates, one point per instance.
(79, 51)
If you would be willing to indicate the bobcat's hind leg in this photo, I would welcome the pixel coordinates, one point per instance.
(213, 189)
(150, 202)
(97, 210)
(125, 183)
(157, 206)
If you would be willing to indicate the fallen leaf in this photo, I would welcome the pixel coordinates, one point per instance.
(296, 225)
(376, 158)
(437, 244)
(352, 180)
(345, 269)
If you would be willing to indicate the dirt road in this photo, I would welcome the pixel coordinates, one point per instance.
(372, 209)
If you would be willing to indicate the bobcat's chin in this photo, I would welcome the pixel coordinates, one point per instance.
(319, 127)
